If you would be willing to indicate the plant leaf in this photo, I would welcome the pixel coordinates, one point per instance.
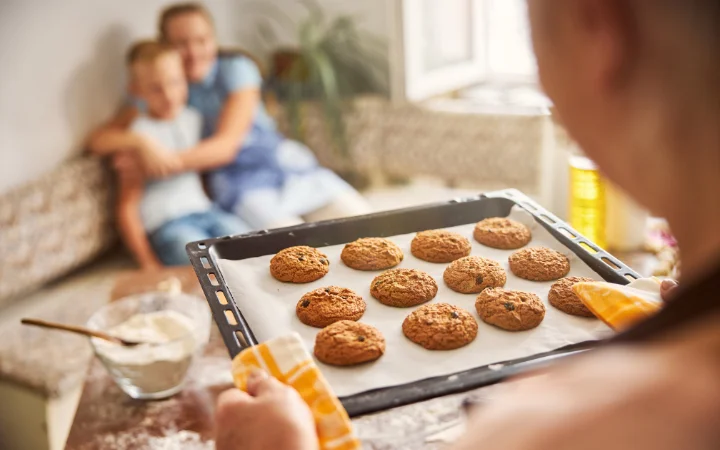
(295, 97)
(332, 101)
(337, 61)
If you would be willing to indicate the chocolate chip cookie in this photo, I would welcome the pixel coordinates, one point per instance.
(539, 264)
(440, 246)
(325, 306)
(510, 310)
(371, 254)
(403, 287)
(347, 343)
(563, 298)
(473, 274)
(299, 265)
(440, 326)
(502, 233)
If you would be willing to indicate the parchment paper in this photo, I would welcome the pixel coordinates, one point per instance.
(269, 308)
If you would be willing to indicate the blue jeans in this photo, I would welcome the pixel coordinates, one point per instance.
(170, 239)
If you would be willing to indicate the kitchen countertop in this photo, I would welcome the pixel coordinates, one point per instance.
(108, 418)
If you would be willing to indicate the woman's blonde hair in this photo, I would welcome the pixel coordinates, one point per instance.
(180, 9)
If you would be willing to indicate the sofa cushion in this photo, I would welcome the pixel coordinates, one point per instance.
(54, 224)
(462, 147)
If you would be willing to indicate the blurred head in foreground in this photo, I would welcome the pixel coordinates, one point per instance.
(637, 84)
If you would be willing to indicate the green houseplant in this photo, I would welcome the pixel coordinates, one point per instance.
(335, 60)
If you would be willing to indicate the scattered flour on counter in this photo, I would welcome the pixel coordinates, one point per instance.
(139, 439)
(183, 439)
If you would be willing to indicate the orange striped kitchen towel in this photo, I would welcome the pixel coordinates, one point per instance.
(287, 359)
(621, 307)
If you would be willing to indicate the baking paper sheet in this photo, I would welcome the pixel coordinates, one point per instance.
(269, 308)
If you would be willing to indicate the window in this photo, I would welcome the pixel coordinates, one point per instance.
(453, 44)
(510, 54)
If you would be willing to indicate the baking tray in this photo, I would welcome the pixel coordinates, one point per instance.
(237, 333)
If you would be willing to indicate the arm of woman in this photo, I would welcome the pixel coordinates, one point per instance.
(242, 79)
(221, 148)
(115, 135)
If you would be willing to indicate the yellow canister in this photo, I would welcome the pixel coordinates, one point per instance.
(587, 200)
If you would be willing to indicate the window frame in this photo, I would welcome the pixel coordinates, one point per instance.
(420, 84)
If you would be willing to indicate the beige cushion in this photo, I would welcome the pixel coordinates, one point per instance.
(55, 224)
(406, 141)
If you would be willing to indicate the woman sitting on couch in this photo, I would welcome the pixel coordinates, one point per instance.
(253, 171)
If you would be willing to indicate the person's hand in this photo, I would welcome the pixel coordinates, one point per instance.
(157, 161)
(619, 399)
(127, 167)
(270, 416)
(667, 289)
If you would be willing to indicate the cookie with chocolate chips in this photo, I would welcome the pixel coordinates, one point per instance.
(473, 274)
(327, 305)
(440, 246)
(539, 264)
(299, 265)
(371, 254)
(563, 298)
(347, 343)
(440, 326)
(402, 288)
(510, 310)
(502, 233)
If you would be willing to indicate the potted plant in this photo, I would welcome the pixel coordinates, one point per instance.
(335, 61)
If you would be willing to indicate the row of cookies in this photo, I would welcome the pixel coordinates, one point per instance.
(410, 287)
(441, 326)
(304, 264)
(436, 326)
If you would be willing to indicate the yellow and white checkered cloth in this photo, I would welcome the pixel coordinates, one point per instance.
(287, 359)
(621, 307)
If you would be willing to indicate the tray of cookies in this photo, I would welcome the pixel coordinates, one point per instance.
(406, 305)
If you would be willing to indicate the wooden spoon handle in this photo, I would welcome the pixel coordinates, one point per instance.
(71, 328)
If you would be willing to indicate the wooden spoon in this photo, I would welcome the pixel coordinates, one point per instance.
(79, 330)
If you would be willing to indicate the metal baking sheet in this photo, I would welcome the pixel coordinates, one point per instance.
(207, 256)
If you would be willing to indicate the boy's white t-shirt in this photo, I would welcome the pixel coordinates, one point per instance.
(180, 195)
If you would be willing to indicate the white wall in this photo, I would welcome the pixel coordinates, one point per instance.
(61, 67)
(283, 15)
(62, 73)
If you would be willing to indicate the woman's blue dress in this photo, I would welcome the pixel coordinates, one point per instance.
(272, 178)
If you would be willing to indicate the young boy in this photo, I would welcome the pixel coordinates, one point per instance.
(157, 218)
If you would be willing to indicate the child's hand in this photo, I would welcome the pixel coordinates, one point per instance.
(157, 161)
